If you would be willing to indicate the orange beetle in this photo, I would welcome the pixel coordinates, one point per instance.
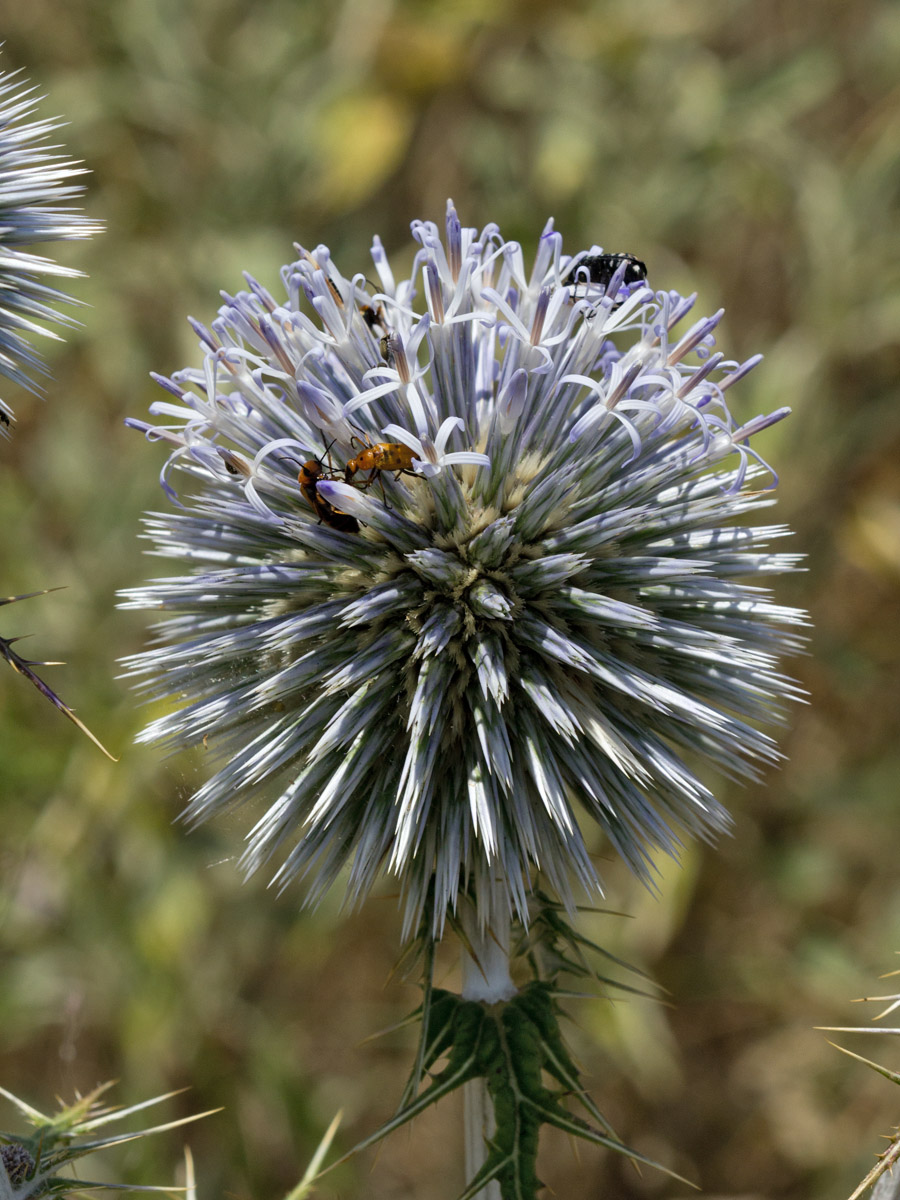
(382, 456)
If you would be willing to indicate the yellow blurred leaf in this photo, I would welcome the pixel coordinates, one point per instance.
(362, 139)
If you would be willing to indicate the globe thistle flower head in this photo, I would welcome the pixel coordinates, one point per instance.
(466, 555)
(36, 186)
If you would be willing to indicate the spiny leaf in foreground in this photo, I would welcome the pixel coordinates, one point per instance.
(510, 1046)
(23, 667)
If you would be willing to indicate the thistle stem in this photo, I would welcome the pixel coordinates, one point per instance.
(486, 979)
(478, 1127)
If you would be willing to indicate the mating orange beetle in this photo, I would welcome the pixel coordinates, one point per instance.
(382, 456)
(310, 474)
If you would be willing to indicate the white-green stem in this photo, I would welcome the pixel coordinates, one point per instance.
(486, 978)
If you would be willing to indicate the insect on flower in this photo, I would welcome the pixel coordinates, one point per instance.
(600, 268)
(373, 315)
(381, 456)
(310, 474)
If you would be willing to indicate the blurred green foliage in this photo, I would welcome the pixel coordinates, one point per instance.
(748, 150)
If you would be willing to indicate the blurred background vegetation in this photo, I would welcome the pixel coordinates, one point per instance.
(746, 149)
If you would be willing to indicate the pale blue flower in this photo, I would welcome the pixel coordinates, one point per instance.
(36, 189)
(558, 607)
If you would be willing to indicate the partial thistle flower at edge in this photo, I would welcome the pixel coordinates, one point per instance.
(31, 1165)
(455, 557)
(37, 184)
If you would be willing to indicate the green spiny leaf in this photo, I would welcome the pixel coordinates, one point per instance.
(512, 1047)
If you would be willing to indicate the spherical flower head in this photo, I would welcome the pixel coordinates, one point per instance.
(17, 1162)
(464, 560)
(36, 185)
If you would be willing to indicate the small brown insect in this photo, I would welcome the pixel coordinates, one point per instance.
(310, 474)
(373, 315)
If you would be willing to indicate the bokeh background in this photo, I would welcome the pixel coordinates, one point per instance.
(747, 150)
